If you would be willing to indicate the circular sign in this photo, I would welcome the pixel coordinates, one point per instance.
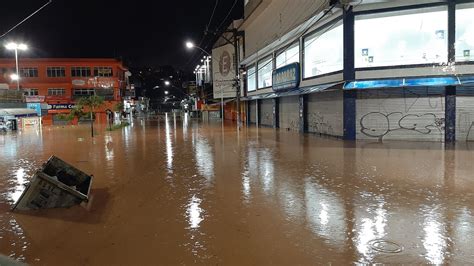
(225, 63)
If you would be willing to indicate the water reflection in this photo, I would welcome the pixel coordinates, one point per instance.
(325, 213)
(194, 212)
(266, 170)
(20, 181)
(204, 157)
(434, 239)
(169, 145)
(371, 225)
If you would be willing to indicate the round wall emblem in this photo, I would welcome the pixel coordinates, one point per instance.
(225, 63)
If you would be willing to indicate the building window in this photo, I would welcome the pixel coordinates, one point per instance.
(29, 72)
(465, 32)
(264, 72)
(30, 92)
(324, 51)
(251, 79)
(83, 92)
(417, 36)
(56, 92)
(80, 71)
(56, 72)
(288, 56)
(103, 72)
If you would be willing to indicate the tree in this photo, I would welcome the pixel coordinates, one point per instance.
(90, 103)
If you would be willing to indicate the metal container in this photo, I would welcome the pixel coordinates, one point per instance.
(56, 185)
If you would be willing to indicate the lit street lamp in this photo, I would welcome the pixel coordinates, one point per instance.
(167, 83)
(16, 47)
(191, 45)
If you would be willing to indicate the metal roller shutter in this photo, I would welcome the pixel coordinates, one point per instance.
(325, 113)
(289, 113)
(401, 114)
(266, 112)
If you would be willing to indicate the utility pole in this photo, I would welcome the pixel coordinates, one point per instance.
(237, 76)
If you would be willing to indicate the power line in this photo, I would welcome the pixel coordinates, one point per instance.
(212, 16)
(227, 16)
(21, 22)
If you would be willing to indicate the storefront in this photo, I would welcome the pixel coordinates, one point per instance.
(385, 71)
(18, 118)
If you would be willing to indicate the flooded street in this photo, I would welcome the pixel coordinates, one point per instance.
(181, 192)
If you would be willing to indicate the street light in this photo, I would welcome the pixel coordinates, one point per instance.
(14, 77)
(16, 47)
(167, 83)
(167, 92)
(191, 45)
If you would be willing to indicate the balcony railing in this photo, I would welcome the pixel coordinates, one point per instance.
(11, 96)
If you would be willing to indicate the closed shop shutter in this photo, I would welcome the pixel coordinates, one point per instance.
(289, 113)
(401, 114)
(465, 114)
(325, 113)
(266, 111)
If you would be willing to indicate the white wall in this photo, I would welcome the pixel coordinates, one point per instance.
(276, 19)
(325, 113)
(410, 114)
(289, 113)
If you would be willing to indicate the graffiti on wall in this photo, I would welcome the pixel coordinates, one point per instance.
(378, 125)
(318, 123)
(402, 114)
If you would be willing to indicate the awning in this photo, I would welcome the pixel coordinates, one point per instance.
(410, 82)
(219, 103)
(18, 112)
(299, 91)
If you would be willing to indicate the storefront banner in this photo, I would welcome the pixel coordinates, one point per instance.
(286, 78)
(223, 71)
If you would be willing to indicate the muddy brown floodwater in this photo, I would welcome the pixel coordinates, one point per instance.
(181, 192)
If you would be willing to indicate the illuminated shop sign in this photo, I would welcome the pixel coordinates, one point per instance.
(60, 106)
(286, 78)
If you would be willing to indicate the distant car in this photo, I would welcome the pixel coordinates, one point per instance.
(3, 127)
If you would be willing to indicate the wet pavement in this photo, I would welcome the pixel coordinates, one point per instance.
(181, 192)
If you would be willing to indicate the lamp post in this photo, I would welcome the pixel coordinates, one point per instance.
(16, 47)
(191, 45)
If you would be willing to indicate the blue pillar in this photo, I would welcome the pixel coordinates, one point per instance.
(276, 113)
(350, 97)
(450, 115)
(349, 75)
(450, 91)
(303, 110)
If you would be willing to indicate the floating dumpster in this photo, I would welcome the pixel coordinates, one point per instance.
(56, 185)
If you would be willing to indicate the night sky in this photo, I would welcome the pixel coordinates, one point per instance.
(143, 33)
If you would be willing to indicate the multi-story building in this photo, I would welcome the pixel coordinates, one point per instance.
(361, 69)
(53, 86)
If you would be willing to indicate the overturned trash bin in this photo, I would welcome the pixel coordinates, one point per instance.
(56, 185)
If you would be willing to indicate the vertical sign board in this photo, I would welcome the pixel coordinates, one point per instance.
(286, 78)
(223, 71)
(35, 106)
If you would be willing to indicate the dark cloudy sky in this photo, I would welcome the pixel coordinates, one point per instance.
(143, 32)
